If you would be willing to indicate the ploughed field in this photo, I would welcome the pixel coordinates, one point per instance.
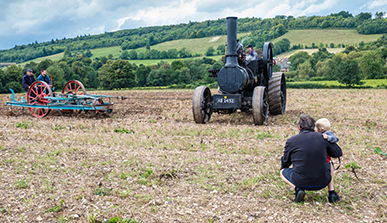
(148, 161)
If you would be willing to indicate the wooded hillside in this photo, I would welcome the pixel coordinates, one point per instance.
(261, 30)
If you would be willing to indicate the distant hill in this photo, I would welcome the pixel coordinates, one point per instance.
(200, 45)
(262, 30)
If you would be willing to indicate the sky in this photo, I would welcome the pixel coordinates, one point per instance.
(27, 21)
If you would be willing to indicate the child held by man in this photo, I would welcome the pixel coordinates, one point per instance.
(324, 126)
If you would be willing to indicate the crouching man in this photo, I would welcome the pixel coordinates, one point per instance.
(308, 152)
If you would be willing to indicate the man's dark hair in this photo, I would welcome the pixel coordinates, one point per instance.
(42, 70)
(306, 123)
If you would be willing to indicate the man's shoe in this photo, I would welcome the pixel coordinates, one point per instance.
(300, 194)
(333, 197)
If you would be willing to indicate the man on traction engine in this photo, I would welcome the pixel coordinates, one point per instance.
(251, 54)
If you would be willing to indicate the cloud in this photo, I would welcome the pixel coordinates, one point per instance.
(195, 10)
(363, 6)
(130, 24)
(169, 14)
(377, 4)
(24, 21)
(313, 8)
(267, 9)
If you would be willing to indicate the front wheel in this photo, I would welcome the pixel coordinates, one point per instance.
(259, 105)
(36, 95)
(201, 105)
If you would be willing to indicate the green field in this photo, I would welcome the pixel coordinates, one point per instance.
(374, 83)
(115, 51)
(199, 45)
(54, 57)
(309, 51)
(155, 61)
(326, 36)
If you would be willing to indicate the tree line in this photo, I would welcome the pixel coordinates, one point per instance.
(104, 73)
(262, 30)
(350, 67)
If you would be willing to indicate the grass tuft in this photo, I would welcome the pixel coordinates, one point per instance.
(123, 130)
(378, 150)
(21, 184)
(23, 125)
(120, 220)
(101, 192)
(56, 208)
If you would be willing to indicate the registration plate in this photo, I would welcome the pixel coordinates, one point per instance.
(227, 101)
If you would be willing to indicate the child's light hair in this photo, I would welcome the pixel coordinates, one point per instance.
(323, 125)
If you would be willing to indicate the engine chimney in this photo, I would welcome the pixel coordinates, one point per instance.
(232, 78)
(231, 56)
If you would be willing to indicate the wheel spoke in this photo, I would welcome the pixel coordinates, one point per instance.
(33, 98)
(206, 97)
(43, 90)
(205, 111)
(33, 90)
(77, 89)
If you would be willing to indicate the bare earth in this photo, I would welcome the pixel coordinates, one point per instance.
(166, 168)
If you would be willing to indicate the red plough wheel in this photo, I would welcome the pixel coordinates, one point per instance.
(36, 95)
(74, 87)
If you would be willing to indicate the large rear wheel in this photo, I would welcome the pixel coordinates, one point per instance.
(36, 95)
(259, 105)
(277, 94)
(268, 60)
(201, 105)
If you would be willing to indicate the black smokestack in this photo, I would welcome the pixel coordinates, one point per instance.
(232, 56)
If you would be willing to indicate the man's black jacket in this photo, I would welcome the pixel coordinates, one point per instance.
(27, 81)
(308, 151)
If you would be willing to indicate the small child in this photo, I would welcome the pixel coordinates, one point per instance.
(323, 125)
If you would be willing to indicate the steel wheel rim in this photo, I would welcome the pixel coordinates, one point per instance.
(206, 110)
(268, 60)
(283, 94)
(74, 87)
(36, 95)
(265, 106)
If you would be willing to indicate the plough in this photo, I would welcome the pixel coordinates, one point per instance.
(41, 99)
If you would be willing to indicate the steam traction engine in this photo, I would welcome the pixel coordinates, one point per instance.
(244, 86)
